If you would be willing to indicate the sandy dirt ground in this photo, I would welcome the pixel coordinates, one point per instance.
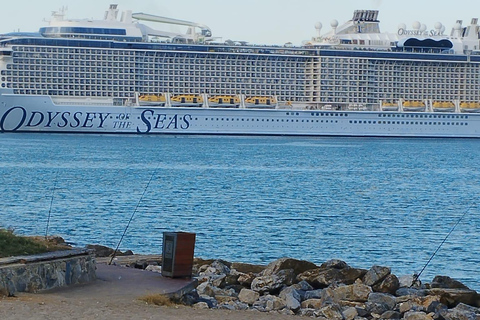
(61, 306)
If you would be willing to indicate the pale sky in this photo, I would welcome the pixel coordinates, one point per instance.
(254, 21)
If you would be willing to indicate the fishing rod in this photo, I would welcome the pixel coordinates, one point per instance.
(133, 214)
(417, 276)
(51, 204)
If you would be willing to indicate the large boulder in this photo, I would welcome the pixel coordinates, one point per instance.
(322, 278)
(246, 279)
(447, 283)
(247, 268)
(206, 288)
(270, 284)
(391, 315)
(269, 303)
(312, 304)
(248, 296)
(355, 292)
(313, 294)
(375, 275)
(460, 312)
(350, 313)
(101, 251)
(417, 303)
(380, 303)
(335, 264)
(291, 297)
(417, 315)
(388, 285)
(452, 297)
(331, 312)
(298, 266)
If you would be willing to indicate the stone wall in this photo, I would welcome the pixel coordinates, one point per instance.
(46, 271)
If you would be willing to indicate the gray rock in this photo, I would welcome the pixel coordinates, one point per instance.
(212, 303)
(335, 264)
(227, 306)
(241, 305)
(220, 267)
(201, 305)
(415, 315)
(409, 305)
(206, 289)
(303, 285)
(390, 314)
(247, 268)
(312, 304)
(406, 281)
(272, 283)
(313, 294)
(447, 283)
(460, 312)
(224, 292)
(248, 296)
(387, 300)
(350, 313)
(286, 311)
(375, 275)
(246, 279)
(307, 312)
(331, 312)
(231, 279)
(452, 297)
(354, 292)
(410, 292)
(273, 303)
(153, 268)
(298, 266)
(218, 280)
(100, 251)
(291, 297)
(322, 278)
(388, 285)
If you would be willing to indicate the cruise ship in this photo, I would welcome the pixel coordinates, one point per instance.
(123, 74)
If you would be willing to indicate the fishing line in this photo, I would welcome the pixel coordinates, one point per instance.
(417, 276)
(133, 214)
(51, 204)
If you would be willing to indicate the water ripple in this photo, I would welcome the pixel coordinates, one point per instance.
(253, 199)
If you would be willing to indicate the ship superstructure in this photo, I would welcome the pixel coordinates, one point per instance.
(77, 73)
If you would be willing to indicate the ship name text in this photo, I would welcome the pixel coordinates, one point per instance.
(18, 117)
(431, 33)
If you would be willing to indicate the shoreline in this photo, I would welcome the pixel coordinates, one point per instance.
(284, 289)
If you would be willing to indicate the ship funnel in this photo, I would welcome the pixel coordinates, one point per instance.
(112, 13)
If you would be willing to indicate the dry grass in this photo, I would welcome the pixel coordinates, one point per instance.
(13, 245)
(159, 300)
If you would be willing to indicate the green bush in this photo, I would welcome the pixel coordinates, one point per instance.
(13, 245)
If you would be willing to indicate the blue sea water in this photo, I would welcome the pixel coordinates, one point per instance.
(367, 201)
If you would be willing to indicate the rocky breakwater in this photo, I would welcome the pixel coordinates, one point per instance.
(333, 290)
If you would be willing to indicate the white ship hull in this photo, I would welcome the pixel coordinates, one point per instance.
(40, 114)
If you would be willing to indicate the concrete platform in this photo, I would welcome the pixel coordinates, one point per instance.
(124, 282)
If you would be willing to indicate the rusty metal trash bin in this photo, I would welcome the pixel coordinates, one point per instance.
(177, 254)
